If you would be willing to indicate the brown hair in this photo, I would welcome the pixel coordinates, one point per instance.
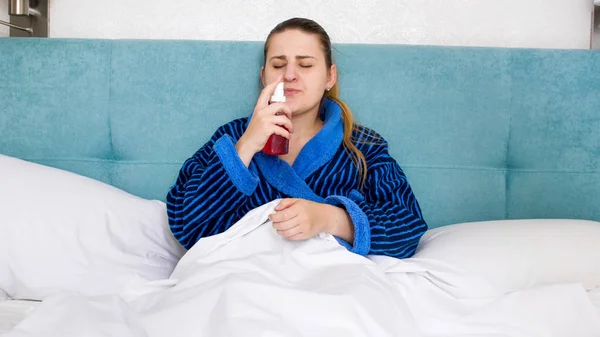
(311, 27)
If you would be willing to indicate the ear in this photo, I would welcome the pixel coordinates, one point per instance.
(262, 76)
(332, 76)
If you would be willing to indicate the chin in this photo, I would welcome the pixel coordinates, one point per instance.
(296, 108)
(301, 108)
(293, 107)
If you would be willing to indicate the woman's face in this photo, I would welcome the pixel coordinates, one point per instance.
(299, 59)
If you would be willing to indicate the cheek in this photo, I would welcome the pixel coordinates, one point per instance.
(318, 89)
(316, 83)
(271, 75)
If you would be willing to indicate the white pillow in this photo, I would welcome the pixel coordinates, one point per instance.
(60, 231)
(516, 254)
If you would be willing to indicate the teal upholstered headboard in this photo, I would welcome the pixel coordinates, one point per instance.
(482, 133)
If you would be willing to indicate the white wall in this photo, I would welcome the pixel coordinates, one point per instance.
(4, 31)
(505, 23)
(596, 37)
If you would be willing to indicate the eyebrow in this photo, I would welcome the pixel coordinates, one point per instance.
(299, 57)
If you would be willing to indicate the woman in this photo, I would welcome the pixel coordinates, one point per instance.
(337, 176)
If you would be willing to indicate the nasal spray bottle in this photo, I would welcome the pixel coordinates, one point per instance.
(276, 144)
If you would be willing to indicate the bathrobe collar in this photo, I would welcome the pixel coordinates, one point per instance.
(316, 153)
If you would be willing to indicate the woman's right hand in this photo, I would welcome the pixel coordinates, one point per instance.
(267, 119)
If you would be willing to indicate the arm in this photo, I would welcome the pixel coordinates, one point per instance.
(211, 186)
(214, 184)
(387, 220)
(339, 222)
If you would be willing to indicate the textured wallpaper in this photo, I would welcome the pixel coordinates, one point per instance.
(506, 23)
(4, 31)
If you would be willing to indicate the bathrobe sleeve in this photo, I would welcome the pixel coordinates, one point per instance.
(387, 217)
(210, 187)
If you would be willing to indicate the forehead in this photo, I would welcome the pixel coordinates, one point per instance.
(294, 42)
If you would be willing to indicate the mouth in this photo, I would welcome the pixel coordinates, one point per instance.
(291, 92)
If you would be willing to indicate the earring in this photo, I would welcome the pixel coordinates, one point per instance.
(327, 89)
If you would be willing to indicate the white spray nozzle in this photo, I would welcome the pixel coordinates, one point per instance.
(278, 95)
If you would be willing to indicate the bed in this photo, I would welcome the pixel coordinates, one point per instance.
(501, 147)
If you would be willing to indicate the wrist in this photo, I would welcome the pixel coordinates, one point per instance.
(244, 152)
(339, 223)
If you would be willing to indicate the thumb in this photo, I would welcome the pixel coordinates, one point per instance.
(285, 203)
(267, 92)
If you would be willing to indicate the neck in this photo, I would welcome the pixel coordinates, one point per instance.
(307, 124)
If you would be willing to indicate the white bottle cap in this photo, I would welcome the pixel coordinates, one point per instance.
(278, 95)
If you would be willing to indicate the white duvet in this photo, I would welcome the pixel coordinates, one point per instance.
(249, 281)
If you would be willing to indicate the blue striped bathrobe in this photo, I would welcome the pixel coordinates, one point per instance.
(214, 188)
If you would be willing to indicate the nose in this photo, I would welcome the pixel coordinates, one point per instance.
(290, 73)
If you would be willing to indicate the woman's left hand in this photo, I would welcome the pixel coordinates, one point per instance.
(299, 219)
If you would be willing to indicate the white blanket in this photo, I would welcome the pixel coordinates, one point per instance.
(249, 281)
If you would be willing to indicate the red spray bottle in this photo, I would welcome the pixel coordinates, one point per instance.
(277, 145)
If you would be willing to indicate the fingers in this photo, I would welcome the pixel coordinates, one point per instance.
(281, 108)
(283, 122)
(282, 219)
(286, 225)
(280, 131)
(266, 93)
(294, 233)
(294, 219)
(285, 203)
(272, 121)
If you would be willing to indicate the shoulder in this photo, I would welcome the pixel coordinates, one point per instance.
(363, 133)
(369, 142)
(375, 149)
